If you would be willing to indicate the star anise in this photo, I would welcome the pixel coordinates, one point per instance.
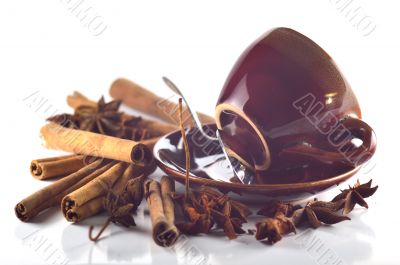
(278, 222)
(119, 210)
(231, 225)
(274, 228)
(104, 118)
(238, 209)
(121, 207)
(227, 213)
(315, 213)
(65, 120)
(206, 207)
(355, 195)
(199, 218)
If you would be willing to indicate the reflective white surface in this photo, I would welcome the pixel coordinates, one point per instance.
(44, 49)
(351, 242)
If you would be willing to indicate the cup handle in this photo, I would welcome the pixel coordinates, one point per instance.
(346, 153)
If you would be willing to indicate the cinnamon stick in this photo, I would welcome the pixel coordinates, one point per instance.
(51, 195)
(95, 205)
(165, 233)
(141, 99)
(131, 172)
(155, 129)
(46, 168)
(77, 99)
(91, 208)
(94, 144)
(98, 187)
(167, 188)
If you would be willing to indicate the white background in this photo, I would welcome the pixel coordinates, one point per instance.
(45, 48)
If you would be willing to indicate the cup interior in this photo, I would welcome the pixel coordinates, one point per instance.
(241, 138)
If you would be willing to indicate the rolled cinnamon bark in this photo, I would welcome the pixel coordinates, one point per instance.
(167, 188)
(165, 233)
(92, 207)
(94, 144)
(95, 205)
(46, 168)
(77, 99)
(51, 195)
(139, 98)
(130, 172)
(154, 128)
(96, 188)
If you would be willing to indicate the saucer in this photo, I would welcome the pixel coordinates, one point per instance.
(209, 167)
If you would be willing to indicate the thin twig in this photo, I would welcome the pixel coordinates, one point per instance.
(186, 146)
(94, 239)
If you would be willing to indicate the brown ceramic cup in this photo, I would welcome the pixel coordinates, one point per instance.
(285, 104)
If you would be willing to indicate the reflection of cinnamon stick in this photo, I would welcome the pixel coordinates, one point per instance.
(93, 144)
(46, 168)
(96, 188)
(52, 194)
(154, 128)
(165, 233)
(139, 98)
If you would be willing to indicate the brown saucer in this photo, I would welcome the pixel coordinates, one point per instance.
(206, 169)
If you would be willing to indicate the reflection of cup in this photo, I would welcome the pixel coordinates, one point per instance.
(286, 104)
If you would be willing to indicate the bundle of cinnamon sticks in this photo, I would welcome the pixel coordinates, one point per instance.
(111, 153)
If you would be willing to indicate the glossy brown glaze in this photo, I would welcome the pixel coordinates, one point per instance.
(206, 167)
(283, 92)
(290, 191)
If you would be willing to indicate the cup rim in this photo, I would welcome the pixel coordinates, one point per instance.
(226, 106)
